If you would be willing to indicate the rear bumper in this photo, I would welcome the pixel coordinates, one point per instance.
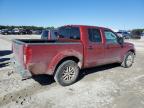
(25, 74)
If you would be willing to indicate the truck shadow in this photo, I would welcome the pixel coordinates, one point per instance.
(5, 52)
(47, 80)
(44, 79)
(88, 71)
(4, 62)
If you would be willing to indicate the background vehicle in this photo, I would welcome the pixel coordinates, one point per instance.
(76, 47)
(124, 34)
(16, 31)
(136, 34)
(25, 31)
(5, 31)
(142, 34)
(37, 32)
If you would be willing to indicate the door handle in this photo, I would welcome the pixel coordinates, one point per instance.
(90, 47)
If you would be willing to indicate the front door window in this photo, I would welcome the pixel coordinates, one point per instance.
(111, 38)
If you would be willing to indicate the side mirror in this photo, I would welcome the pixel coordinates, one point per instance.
(119, 35)
(121, 40)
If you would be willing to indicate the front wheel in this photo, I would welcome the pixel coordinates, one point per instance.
(67, 73)
(128, 59)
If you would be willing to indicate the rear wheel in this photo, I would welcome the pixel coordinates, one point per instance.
(67, 73)
(128, 60)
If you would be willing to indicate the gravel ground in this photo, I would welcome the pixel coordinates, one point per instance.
(108, 86)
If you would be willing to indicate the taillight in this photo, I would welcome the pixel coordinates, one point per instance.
(27, 54)
(49, 35)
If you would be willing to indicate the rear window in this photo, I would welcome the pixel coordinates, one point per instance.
(69, 32)
(45, 34)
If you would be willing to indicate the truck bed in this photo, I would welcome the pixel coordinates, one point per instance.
(41, 41)
(41, 56)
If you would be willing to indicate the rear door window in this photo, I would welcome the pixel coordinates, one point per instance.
(94, 35)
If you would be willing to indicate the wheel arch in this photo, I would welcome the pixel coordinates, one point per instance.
(132, 50)
(63, 56)
(73, 58)
(124, 53)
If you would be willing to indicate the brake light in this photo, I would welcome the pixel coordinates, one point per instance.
(49, 35)
(24, 58)
(27, 54)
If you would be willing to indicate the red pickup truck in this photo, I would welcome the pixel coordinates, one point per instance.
(76, 47)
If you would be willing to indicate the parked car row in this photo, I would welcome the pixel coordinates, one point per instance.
(130, 35)
(17, 31)
(124, 34)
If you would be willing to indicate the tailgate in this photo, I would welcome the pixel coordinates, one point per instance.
(18, 50)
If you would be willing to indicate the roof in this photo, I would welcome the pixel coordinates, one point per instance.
(85, 26)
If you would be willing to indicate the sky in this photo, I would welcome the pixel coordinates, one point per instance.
(116, 14)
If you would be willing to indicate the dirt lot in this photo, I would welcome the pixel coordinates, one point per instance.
(109, 86)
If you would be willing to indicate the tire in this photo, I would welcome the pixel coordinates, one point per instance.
(67, 73)
(128, 60)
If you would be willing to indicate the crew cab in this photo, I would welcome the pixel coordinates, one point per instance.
(76, 47)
